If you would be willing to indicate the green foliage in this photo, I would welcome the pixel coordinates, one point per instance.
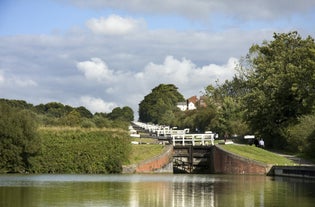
(301, 136)
(20, 104)
(54, 109)
(101, 121)
(19, 141)
(159, 102)
(84, 112)
(122, 114)
(61, 150)
(57, 114)
(280, 82)
(71, 119)
(225, 103)
(75, 150)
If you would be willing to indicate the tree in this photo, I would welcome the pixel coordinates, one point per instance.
(280, 84)
(19, 141)
(84, 112)
(54, 109)
(160, 101)
(128, 113)
(225, 101)
(122, 114)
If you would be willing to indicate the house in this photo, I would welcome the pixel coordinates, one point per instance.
(192, 103)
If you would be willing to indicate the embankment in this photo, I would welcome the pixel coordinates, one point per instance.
(155, 164)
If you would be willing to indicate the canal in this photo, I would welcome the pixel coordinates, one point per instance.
(167, 190)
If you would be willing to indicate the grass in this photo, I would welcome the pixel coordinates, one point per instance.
(257, 154)
(143, 152)
(145, 140)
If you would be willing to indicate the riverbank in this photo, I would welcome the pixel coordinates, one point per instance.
(226, 159)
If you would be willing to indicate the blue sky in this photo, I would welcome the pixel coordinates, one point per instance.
(103, 54)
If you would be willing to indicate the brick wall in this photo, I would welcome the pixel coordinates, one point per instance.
(156, 163)
(227, 163)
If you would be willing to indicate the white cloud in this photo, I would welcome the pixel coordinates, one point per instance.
(188, 77)
(113, 25)
(97, 104)
(96, 69)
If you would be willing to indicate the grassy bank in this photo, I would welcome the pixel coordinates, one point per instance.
(257, 154)
(140, 153)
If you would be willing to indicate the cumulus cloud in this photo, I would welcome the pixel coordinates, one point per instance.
(97, 104)
(186, 75)
(113, 25)
(96, 69)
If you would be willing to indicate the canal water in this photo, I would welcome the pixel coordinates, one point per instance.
(154, 190)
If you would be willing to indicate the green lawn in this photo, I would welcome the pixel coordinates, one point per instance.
(257, 154)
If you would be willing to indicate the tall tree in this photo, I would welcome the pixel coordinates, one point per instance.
(160, 101)
(280, 84)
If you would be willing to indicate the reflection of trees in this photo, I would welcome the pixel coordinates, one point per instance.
(193, 194)
(150, 194)
(155, 190)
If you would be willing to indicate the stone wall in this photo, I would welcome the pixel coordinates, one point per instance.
(228, 163)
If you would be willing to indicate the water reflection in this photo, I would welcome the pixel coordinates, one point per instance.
(154, 190)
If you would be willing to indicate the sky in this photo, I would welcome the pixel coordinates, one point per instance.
(103, 54)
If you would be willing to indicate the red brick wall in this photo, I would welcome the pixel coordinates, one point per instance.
(156, 162)
(227, 163)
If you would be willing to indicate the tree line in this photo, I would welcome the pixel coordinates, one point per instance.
(58, 114)
(272, 95)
